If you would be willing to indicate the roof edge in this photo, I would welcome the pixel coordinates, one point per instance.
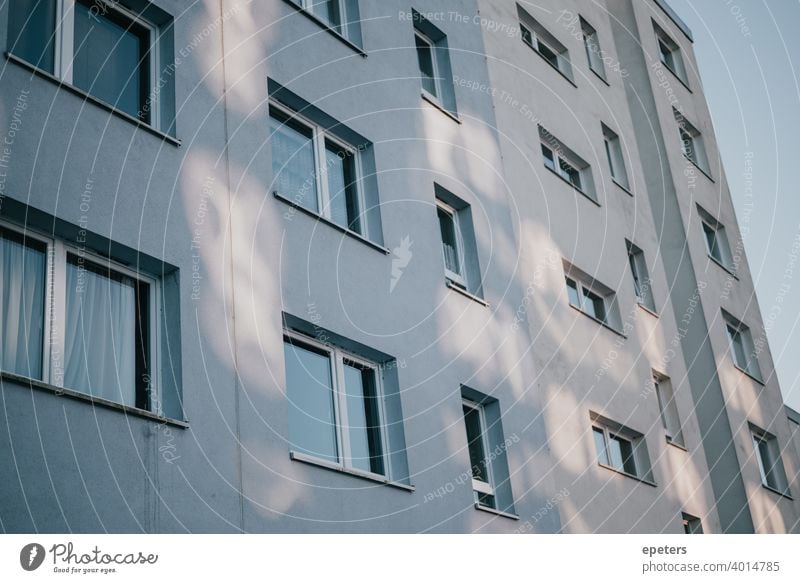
(675, 18)
(793, 415)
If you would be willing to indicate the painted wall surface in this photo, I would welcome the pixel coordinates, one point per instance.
(245, 258)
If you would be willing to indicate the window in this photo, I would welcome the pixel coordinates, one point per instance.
(459, 250)
(742, 349)
(715, 239)
(566, 164)
(433, 58)
(616, 161)
(335, 406)
(487, 447)
(103, 48)
(543, 43)
(670, 54)
(341, 16)
(691, 524)
(591, 297)
(105, 344)
(315, 170)
(594, 53)
(669, 409)
(642, 284)
(770, 465)
(692, 143)
(475, 422)
(620, 448)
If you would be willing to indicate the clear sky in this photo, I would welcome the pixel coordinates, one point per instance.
(748, 52)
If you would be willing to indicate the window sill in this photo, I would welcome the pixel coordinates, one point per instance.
(77, 395)
(598, 321)
(572, 186)
(600, 76)
(678, 77)
(723, 266)
(778, 492)
(491, 510)
(702, 171)
(648, 310)
(92, 99)
(627, 475)
(455, 287)
(676, 444)
(625, 188)
(438, 105)
(327, 27)
(556, 69)
(330, 223)
(314, 461)
(747, 374)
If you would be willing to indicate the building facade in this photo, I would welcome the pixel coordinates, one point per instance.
(292, 266)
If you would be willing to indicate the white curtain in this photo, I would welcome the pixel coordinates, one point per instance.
(22, 272)
(100, 342)
(293, 168)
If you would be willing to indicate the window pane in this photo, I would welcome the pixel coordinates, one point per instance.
(621, 454)
(477, 454)
(570, 173)
(447, 228)
(31, 31)
(572, 292)
(363, 418)
(293, 171)
(737, 347)
(711, 242)
(329, 11)
(101, 331)
(111, 58)
(637, 282)
(548, 54)
(426, 67)
(341, 165)
(527, 37)
(687, 143)
(549, 160)
(666, 55)
(600, 446)
(594, 305)
(309, 388)
(22, 288)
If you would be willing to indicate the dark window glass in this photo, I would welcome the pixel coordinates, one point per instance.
(426, 67)
(477, 453)
(341, 165)
(31, 32)
(112, 58)
(363, 418)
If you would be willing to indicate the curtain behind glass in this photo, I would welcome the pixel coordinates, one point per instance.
(100, 342)
(22, 273)
(293, 170)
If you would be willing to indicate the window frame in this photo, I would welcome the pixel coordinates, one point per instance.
(340, 28)
(608, 435)
(640, 457)
(589, 32)
(338, 358)
(691, 524)
(437, 79)
(319, 135)
(536, 39)
(584, 291)
(667, 408)
(64, 53)
(760, 436)
(737, 330)
(613, 146)
(558, 161)
(55, 309)
(459, 279)
(678, 66)
(478, 486)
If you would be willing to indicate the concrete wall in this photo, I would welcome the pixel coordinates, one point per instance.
(246, 258)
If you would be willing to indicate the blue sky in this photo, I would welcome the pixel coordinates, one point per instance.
(748, 52)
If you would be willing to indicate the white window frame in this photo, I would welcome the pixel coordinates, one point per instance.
(761, 436)
(65, 50)
(307, 5)
(589, 34)
(55, 309)
(458, 278)
(613, 146)
(558, 159)
(318, 138)
(641, 464)
(536, 40)
(584, 289)
(487, 489)
(338, 358)
(717, 231)
(735, 329)
(674, 50)
(437, 80)
(668, 407)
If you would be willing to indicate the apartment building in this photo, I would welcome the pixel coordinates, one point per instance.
(341, 266)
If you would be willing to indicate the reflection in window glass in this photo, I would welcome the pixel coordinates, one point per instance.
(621, 454)
(31, 32)
(293, 168)
(427, 69)
(341, 166)
(477, 453)
(363, 418)
(447, 227)
(600, 445)
(312, 426)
